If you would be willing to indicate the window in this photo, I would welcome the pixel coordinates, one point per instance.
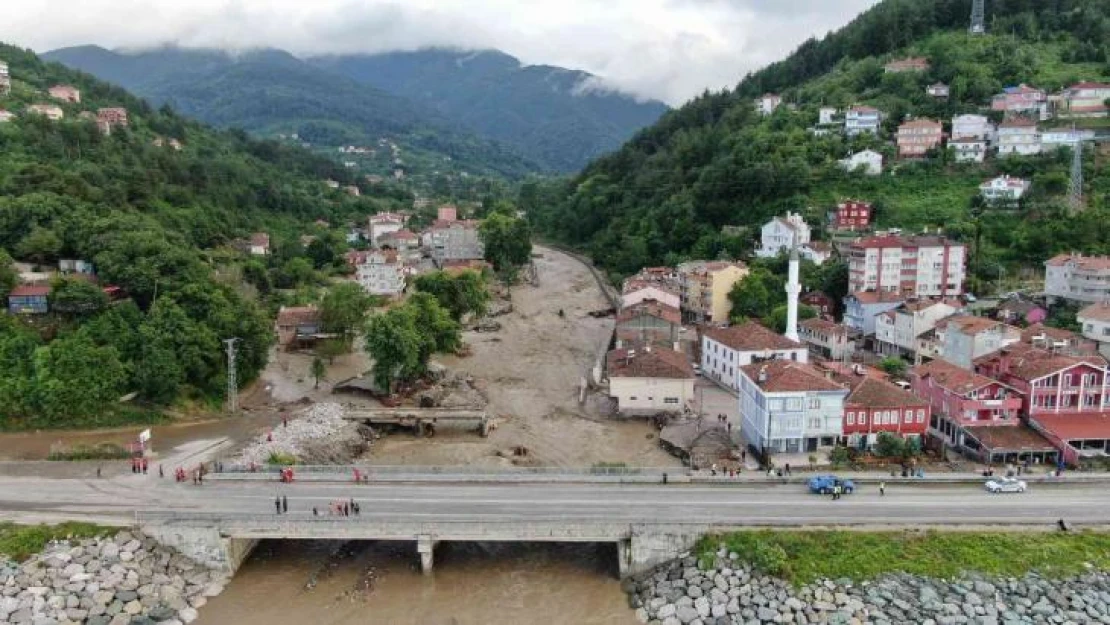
(921, 415)
(815, 403)
(633, 398)
(909, 416)
(670, 400)
(851, 418)
(1067, 379)
(863, 418)
(794, 404)
(815, 424)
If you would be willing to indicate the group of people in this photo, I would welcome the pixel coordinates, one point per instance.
(138, 465)
(338, 507)
(180, 475)
(723, 420)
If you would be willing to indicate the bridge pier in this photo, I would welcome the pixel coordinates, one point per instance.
(648, 548)
(425, 546)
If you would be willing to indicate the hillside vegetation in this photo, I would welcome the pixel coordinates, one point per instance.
(145, 216)
(715, 162)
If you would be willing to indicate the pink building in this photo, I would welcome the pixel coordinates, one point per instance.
(65, 93)
(852, 215)
(917, 137)
(448, 212)
(1050, 383)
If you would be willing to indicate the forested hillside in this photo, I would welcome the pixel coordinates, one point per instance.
(715, 162)
(269, 92)
(548, 113)
(145, 214)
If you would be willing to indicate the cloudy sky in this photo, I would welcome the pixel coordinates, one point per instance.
(665, 49)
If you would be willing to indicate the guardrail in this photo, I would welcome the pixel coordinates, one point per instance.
(458, 470)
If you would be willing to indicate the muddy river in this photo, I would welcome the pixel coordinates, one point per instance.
(333, 583)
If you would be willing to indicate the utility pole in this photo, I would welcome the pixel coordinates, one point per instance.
(232, 383)
(978, 17)
(1075, 189)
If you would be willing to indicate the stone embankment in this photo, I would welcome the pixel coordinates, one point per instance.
(126, 579)
(731, 593)
(318, 435)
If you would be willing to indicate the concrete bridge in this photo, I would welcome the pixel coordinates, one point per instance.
(220, 522)
(422, 420)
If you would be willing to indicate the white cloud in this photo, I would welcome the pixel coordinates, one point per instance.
(666, 49)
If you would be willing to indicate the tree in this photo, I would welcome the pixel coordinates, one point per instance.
(894, 366)
(318, 370)
(436, 323)
(465, 293)
(40, 245)
(507, 241)
(394, 342)
(777, 319)
(756, 295)
(890, 446)
(77, 298)
(76, 378)
(343, 310)
(9, 277)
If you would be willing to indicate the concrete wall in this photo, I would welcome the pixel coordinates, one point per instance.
(204, 544)
(644, 551)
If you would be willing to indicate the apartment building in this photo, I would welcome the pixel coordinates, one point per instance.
(915, 266)
(862, 119)
(1019, 135)
(917, 137)
(1078, 278)
(704, 287)
(790, 407)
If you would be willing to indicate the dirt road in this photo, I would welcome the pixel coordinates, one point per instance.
(530, 371)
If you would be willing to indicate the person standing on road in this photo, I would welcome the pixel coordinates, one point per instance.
(284, 504)
(882, 489)
(277, 504)
(836, 492)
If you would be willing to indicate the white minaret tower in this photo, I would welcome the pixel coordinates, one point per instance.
(793, 289)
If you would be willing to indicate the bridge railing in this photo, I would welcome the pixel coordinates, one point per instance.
(371, 471)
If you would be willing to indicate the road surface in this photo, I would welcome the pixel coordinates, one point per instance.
(118, 500)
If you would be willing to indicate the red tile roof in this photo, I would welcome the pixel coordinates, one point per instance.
(788, 376)
(973, 325)
(750, 337)
(29, 290)
(875, 297)
(1009, 438)
(822, 325)
(1018, 122)
(872, 393)
(1097, 312)
(955, 379)
(297, 315)
(261, 239)
(1092, 425)
(1087, 263)
(648, 363)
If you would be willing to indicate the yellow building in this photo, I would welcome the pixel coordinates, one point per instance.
(705, 287)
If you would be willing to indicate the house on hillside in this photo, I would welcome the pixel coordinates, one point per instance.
(972, 126)
(869, 162)
(704, 288)
(862, 119)
(1095, 321)
(381, 224)
(725, 350)
(821, 302)
(648, 381)
(826, 115)
(783, 234)
(789, 407)
(909, 331)
(1020, 311)
(938, 90)
(1085, 99)
(917, 137)
(852, 215)
(29, 299)
(913, 266)
(65, 93)
(1004, 189)
(260, 244)
(969, 149)
(1078, 278)
(110, 118)
(6, 116)
(861, 309)
(767, 103)
(52, 112)
(826, 339)
(5, 79)
(911, 64)
(381, 273)
(1019, 135)
(455, 240)
(1022, 100)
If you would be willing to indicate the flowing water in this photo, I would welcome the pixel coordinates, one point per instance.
(334, 583)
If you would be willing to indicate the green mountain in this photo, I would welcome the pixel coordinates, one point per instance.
(550, 114)
(155, 221)
(268, 92)
(669, 192)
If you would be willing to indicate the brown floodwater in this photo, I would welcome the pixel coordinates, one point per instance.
(365, 582)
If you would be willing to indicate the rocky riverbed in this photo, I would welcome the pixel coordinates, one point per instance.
(317, 435)
(126, 579)
(731, 593)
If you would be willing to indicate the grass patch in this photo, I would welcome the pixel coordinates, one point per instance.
(100, 451)
(19, 542)
(277, 457)
(816, 555)
(113, 417)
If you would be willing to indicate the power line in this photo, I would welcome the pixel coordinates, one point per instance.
(232, 383)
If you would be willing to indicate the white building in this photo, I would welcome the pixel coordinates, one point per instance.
(1064, 137)
(768, 103)
(381, 273)
(827, 115)
(783, 234)
(967, 338)
(790, 407)
(969, 149)
(1095, 322)
(639, 292)
(650, 380)
(1078, 278)
(910, 329)
(916, 266)
(5, 79)
(826, 339)
(938, 90)
(6, 116)
(973, 127)
(50, 111)
(1019, 136)
(455, 240)
(1004, 189)
(725, 350)
(384, 223)
(861, 119)
(259, 244)
(870, 160)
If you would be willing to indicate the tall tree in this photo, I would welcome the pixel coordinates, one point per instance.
(74, 297)
(507, 240)
(465, 293)
(344, 309)
(396, 345)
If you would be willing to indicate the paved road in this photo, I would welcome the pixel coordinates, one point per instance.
(119, 499)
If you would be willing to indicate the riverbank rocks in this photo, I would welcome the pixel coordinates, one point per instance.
(126, 579)
(731, 593)
(318, 435)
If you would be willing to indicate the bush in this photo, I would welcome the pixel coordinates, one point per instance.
(277, 457)
(769, 558)
(100, 451)
(19, 542)
(839, 455)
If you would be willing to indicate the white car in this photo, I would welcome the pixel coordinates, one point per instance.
(1005, 485)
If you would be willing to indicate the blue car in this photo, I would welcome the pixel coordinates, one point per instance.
(824, 484)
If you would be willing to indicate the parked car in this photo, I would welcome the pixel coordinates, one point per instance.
(1005, 485)
(824, 484)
